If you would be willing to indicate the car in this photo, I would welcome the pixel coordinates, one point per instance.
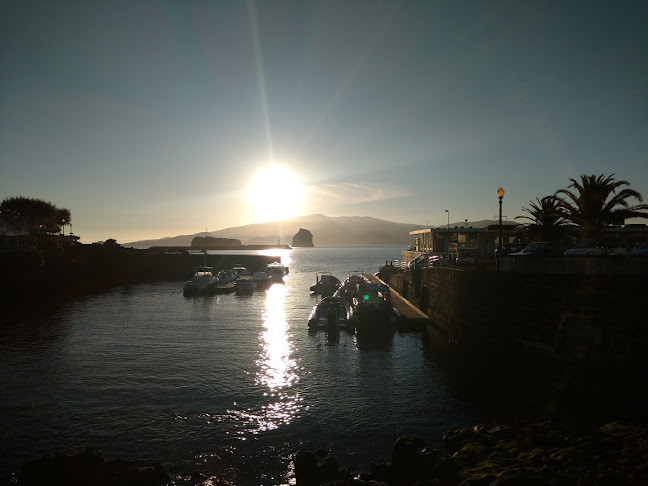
(600, 246)
(427, 260)
(641, 250)
(508, 248)
(543, 248)
(466, 258)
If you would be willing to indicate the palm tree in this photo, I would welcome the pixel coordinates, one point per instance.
(599, 201)
(548, 223)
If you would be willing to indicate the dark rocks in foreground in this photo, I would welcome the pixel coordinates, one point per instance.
(90, 468)
(542, 454)
(536, 454)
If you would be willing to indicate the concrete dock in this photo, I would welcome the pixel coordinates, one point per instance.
(410, 317)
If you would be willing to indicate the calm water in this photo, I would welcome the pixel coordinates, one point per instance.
(229, 385)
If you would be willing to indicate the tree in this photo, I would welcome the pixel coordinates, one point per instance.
(599, 201)
(41, 216)
(548, 223)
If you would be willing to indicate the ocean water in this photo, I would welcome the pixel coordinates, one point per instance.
(227, 385)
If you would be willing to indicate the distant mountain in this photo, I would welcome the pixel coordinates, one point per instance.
(327, 231)
(334, 231)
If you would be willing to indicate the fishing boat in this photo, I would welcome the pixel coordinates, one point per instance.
(332, 313)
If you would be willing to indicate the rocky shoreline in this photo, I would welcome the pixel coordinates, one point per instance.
(536, 454)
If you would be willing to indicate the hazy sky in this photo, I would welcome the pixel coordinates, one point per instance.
(152, 119)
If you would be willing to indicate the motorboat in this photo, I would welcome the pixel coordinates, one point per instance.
(349, 288)
(332, 313)
(225, 277)
(262, 280)
(277, 271)
(240, 270)
(325, 284)
(244, 285)
(203, 282)
(373, 308)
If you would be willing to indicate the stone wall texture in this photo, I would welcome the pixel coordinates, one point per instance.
(600, 318)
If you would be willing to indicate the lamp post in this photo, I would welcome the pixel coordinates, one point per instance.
(448, 231)
(500, 195)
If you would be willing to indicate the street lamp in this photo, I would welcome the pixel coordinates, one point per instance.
(500, 195)
(448, 250)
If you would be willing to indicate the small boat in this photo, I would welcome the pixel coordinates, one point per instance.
(240, 270)
(332, 313)
(203, 282)
(277, 271)
(225, 277)
(262, 280)
(373, 308)
(245, 285)
(349, 288)
(325, 284)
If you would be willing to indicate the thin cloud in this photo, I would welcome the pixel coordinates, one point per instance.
(352, 193)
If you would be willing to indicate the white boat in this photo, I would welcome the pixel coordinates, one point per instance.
(245, 285)
(262, 280)
(240, 270)
(277, 271)
(203, 282)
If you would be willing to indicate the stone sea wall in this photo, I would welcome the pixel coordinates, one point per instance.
(83, 269)
(601, 316)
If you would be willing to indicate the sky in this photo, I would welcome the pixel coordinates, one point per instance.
(155, 119)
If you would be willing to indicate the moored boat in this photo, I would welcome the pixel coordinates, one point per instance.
(203, 282)
(349, 288)
(332, 313)
(262, 280)
(373, 308)
(245, 285)
(325, 284)
(277, 271)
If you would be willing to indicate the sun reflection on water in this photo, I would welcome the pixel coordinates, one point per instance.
(276, 370)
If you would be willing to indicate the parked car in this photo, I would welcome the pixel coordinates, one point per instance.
(543, 248)
(508, 248)
(466, 258)
(427, 260)
(641, 250)
(602, 246)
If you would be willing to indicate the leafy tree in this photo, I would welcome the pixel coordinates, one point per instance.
(41, 216)
(595, 202)
(547, 222)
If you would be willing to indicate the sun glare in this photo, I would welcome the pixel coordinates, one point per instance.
(275, 194)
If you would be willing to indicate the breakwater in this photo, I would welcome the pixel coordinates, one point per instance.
(80, 270)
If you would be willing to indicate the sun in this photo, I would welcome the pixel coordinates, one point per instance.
(275, 194)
